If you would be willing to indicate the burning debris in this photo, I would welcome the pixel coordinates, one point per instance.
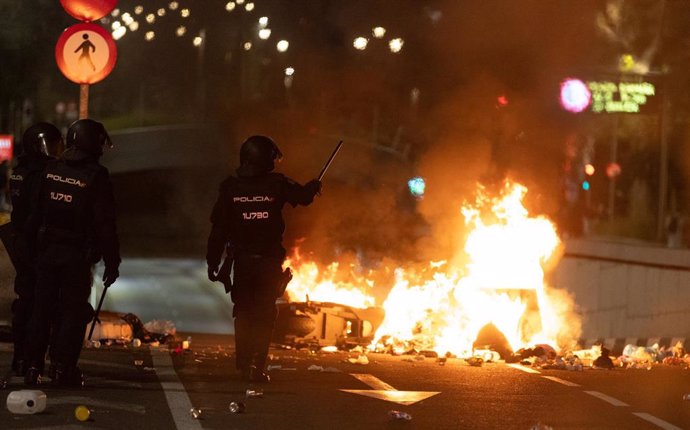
(496, 283)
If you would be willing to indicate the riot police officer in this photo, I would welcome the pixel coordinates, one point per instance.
(76, 228)
(41, 142)
(248, 225)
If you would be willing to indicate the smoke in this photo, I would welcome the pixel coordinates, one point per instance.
(473, 54)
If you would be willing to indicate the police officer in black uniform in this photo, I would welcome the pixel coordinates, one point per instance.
(248, 225)
(76, 228)
(40, 143)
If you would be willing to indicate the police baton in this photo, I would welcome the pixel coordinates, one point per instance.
(330, 160)
(98, 310)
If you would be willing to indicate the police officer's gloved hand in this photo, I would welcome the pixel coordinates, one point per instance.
(314, 186)
(212, 274)
(110, 275)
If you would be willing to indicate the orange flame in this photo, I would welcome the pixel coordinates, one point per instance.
(444, 306)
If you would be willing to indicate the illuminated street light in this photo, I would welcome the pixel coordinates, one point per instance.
(239, 1)
(184, 13)
(264, 33)
(115, 25)
(378, 32)
(181, 30)
(115, 13)
(289, 71)
(230, 6)
(247, 46)
(283, 45)
(150, 35)
(249, 7)
(119, 32)
(139, 10)
(360, 43)
(173, 5)
(150, 18)
(161, 12)
(396, 45)
(198, 41)
(127, 18)
(134, 26)
(263, 21)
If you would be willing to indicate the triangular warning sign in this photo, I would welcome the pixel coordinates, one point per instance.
(401, 397)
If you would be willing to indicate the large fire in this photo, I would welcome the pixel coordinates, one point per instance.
(497, 278)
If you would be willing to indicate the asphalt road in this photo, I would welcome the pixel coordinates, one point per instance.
(159, 391)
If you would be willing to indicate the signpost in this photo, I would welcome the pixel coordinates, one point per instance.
(86, 53)
(88, 10)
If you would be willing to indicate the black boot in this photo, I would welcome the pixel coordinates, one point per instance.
(19, 367)
(256, 375)
(69, 377)
(32, 376)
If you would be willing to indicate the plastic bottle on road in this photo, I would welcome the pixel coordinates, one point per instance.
(236, 407)
(26, 401)
(400, 415)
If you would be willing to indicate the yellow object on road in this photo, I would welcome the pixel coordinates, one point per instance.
(82, 413)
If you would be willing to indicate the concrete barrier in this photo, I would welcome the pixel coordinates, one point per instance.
(627, 290)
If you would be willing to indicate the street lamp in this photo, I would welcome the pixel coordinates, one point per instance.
(181, 30)
(264, 33)
(139, 10)
(396, 45)
(360, 43)
(230, 6)
(283, 45)
(184, 13)
(378, 32)
(150, 35)
(249, 7)
(173, 5)
(263, 21)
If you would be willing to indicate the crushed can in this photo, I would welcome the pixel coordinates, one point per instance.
(195, 413)
(26, 402)
(400, 415)
(254, 393)
(237, 407)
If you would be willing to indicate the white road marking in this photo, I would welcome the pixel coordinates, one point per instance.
(175, 394)
(607, 399)
(106, 364)
(523, 368)
(561, 381)
(91, 402)
(373, 381)
(384, 391)
(656, 421)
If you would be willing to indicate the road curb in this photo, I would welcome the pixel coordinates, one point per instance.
(616, 344)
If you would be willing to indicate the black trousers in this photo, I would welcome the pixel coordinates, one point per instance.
(61, 304)
(22, 307)
(255, 284)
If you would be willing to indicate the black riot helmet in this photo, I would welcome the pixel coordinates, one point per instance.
(42, 140)
(89, 136)
(259, 154)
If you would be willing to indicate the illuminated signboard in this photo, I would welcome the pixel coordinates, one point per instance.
(628, 97)
(6, 143)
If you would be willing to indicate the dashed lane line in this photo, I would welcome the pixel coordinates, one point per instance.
(607, 399)
(523, 368)
(656, 421)
(561, 381)
(175, 394)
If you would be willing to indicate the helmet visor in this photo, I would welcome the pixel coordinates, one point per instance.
(50, 147)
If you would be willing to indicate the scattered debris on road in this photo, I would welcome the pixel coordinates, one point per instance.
(400, 415)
